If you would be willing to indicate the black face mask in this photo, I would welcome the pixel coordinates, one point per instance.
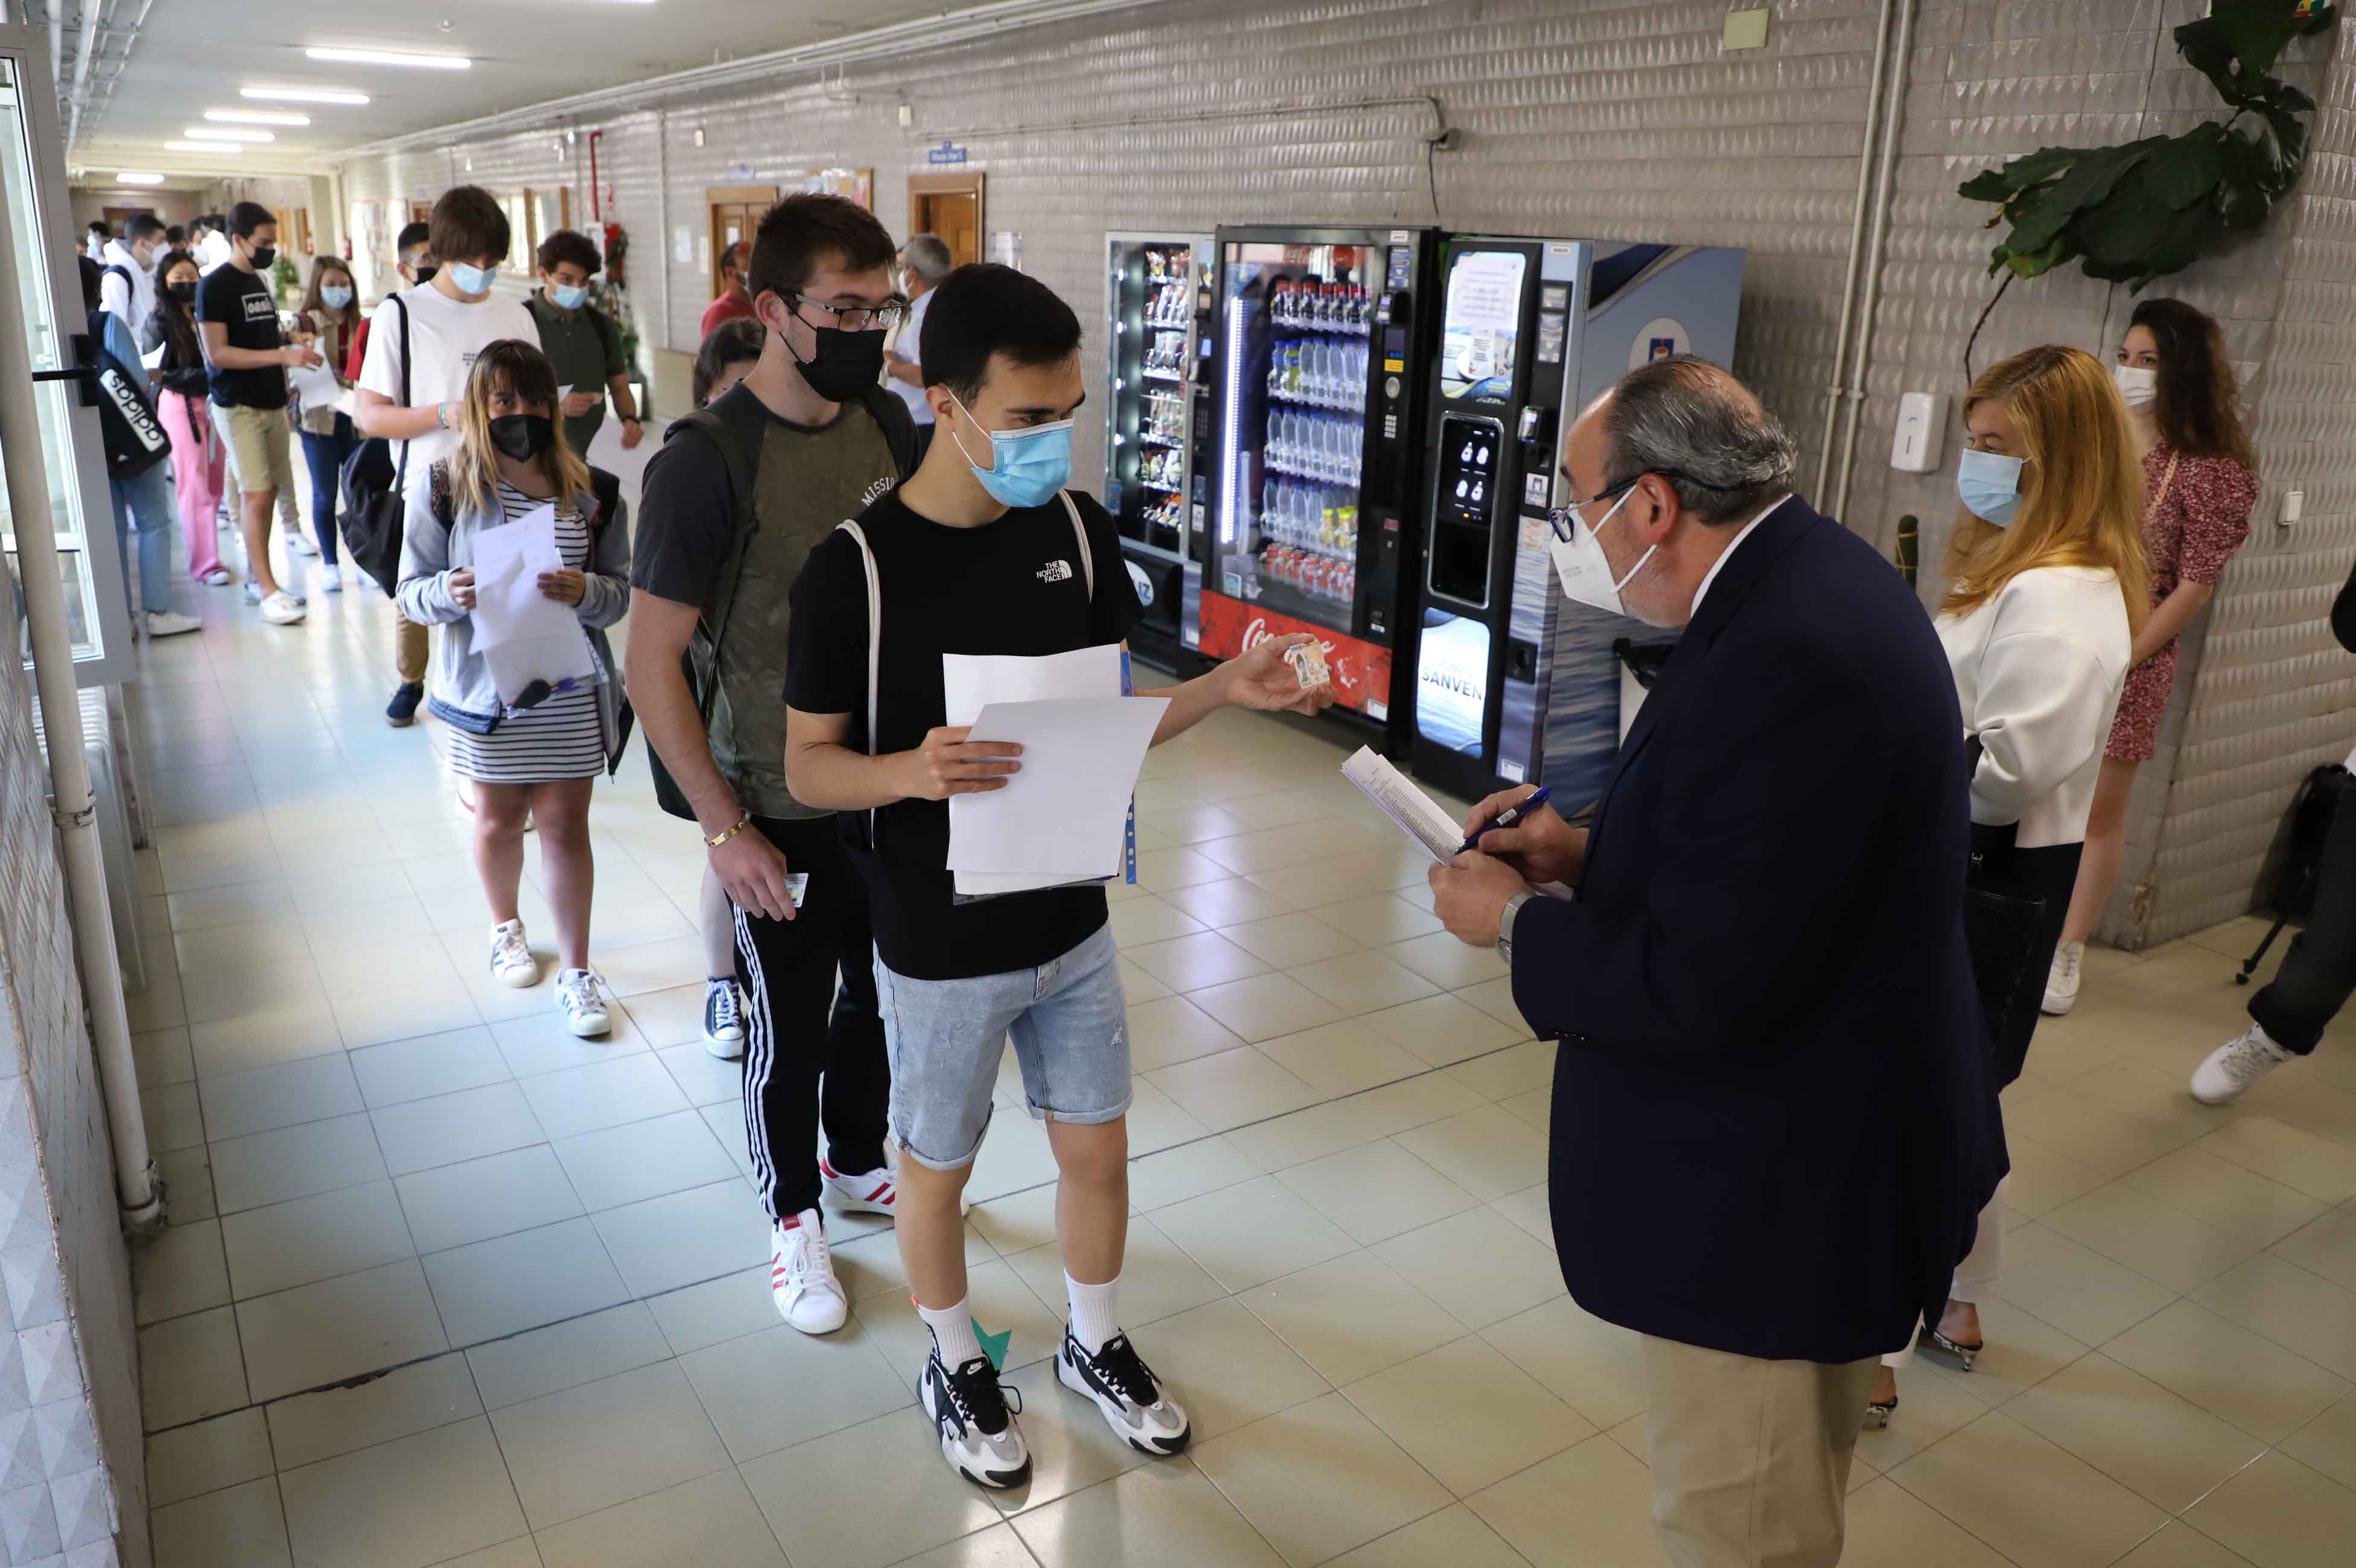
(264, 257)
(186, 293)
(842, 363)
(522, 436)
(424, 271)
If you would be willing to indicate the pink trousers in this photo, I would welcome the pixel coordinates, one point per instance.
(196, 471)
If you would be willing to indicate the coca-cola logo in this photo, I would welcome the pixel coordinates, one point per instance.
(1257, 633)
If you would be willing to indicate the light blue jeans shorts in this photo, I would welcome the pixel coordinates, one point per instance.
(1070, 1025)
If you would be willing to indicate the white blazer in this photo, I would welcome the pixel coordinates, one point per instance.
(2038, 669)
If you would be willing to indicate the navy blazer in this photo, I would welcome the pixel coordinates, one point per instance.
(1774, 1122)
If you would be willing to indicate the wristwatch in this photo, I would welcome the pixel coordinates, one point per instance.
(1506, 925)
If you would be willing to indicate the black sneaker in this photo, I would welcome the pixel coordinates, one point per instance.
(401, 712)
(979, 1435)
(724, 1020)
(1139, 1409)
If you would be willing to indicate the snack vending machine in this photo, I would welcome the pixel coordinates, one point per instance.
(1157, 290)
(1314, 354)
(1514, 682)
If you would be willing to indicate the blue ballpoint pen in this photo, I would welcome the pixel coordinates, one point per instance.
(1512, 815)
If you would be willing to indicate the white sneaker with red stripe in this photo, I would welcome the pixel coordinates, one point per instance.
(877, 1192)
(801, 1276)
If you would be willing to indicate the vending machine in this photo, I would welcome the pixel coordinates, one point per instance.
(1315, 361)
(1513, 682)
(1157, 292)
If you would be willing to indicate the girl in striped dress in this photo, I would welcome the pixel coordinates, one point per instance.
(527, 753)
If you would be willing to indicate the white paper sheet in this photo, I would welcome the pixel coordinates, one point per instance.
(314, 385)
(523, 635)
(971, 681)
(1066, 814)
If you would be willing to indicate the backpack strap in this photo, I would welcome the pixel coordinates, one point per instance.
(607, 489)
(400, 306)
(1080, 532)
(874, 639)
(738, 465)
(898, 425)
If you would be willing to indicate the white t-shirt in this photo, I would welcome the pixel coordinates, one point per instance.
(135, 303)
(906, 347)
(211, 251)
(445, 335)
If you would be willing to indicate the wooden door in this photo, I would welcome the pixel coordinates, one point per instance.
(736, 212)
(948, 205)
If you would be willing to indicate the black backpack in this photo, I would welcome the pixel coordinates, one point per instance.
(135, 437)
(700, 661)
(372, 486)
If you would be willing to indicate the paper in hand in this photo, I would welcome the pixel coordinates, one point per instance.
(1066, 814)
(523, 635)
(314, 385)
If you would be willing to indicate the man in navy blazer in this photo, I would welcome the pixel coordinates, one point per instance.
(1773, 1127)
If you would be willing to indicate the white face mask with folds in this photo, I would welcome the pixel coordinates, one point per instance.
(2139, 384)
(1580, 562)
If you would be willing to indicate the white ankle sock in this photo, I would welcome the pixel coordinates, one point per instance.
(1096, 1312)
(952, 1329)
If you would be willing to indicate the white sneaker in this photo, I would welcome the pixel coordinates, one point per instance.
(979, 1436)
(511, 960)
(801, 1276)
(874, 1192)
(252, 592)
(2062, 980)
(1125, 1392)
(581, 996)
(281, 608)
(300, 542)
(219, 577)
(170, 623)
(724, 1020)
(331, 581)
(2235, 1065)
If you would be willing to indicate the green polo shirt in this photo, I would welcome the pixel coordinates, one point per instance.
(586, 349)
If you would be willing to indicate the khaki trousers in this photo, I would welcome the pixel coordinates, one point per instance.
(1750, 1459)
(409, 649)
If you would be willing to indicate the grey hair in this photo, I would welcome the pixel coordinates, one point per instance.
(927, 257)
(1703, 432)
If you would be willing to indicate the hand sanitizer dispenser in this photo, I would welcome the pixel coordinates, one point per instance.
(1921, 431)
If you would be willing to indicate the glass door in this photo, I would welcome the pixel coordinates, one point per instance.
(42, 242)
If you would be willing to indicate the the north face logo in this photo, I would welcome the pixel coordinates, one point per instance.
(1055, 572)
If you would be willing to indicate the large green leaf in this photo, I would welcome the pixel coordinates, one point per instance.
(2033, 264)
(2240, 197)
(2281, 142)
(2123, 229)
(2021, 174)
(2184, 169)
(2091, 180)
(2036, 222)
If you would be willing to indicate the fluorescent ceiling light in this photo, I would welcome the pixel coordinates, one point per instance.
(129, 176)
(302, 95)
(202, 147)
(216, 134)
(255, 117)
(392, 56)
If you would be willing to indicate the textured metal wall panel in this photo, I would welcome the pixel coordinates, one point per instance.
(1622, 118)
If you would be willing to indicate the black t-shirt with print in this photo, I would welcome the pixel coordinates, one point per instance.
(241, 301)
(1011, 587)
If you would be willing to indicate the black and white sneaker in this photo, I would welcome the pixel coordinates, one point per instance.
(979, 1435)
(723, 1019)
(1138, 1408)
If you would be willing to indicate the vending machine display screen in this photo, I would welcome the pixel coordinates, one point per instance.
(1471, 450)
(1482, 324)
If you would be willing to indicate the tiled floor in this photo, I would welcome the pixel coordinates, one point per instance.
(449, 1286)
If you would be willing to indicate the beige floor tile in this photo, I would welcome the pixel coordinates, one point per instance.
(317, 1238)
(1509, 1073)
(685, 1237)
(406, 1400)
(2074, 1288)
(642, 1159)
(1071, 1448)
(1163, 870)
(1351, 1316)
(2227, 1371)
(1193, 824)
(1264, 849)
(1015, 1155)
(1319, 1479)
(1233, 1088)
(2280, 1514)
(1231, 901)
(1226, 1367)
(1377, 1190)
(162, 1057)
(295, 1162)
(338, 1328)
(1455, 1536)
(181, 1271)
(2302, 1161)
(2328, 1442)
(1157, 1278)
(1156, 1181)
(1588, 1504)
(2326, 1246)
(1158, 1515)
(1442, 1030)
(1468, 1415)
(2318, 1108)
(1597, 1368)
(2093, 1134)
(1378, 920)
(2228, 1195)
(1252, 1232)
(2300, 1311)
(1192, 962)
(1479, 1265)
(206, 1456)
(607, 1442)
(717, 1310)
(419, 1135)
(2135, 1431)
(420, 1500)
(822, 1496)
(2032, 1500)
(1488, 1151)
(1171, 1029)
(1265, 1005)
(2023, 1350)
(431, 1064)
(997, 1547)
(190, 1368)
(2154, 1238)
(1138, 921)
(1362, 982)
(451, 1205)
(264, 1098)
(287, 1032)
(239, 1526)
(1447, 962)
(1312, 1133)
(1321, 882)
(487, 1290)
(1290, 941)
(2181, 1546)
(604, 1094)
(172, 1116)
(713, 1518)
(1890, 1527)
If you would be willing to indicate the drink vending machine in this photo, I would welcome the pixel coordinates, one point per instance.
(1314, 356)
(1157, 292)
(1513, 681)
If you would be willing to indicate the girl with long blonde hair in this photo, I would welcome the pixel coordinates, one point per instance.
(2046, 585)
(529, 751)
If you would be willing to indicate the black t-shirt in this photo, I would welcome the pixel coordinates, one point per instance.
(1012, 586)
(241, 301)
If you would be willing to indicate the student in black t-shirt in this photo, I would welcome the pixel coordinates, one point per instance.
(983, 551)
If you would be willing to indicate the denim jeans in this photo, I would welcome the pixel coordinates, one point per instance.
(325, 455)
(145, 500)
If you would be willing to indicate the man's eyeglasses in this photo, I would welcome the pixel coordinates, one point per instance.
(1562, 517)
(856, 318)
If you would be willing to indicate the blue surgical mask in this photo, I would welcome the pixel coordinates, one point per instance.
(336, 296)
(1989, 484)
(472, 279)
(1027, 466)
(568, 298)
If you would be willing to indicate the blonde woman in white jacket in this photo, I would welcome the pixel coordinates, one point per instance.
(2047, 585)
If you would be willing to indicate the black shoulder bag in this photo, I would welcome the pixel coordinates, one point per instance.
(1999, 926)
(373, 490)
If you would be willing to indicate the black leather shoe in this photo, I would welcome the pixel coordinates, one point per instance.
(401, 712)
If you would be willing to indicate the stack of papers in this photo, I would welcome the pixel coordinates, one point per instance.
(522, 634)
(1416, 813)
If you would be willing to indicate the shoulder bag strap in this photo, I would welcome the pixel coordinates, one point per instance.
(1080, 532)
(2166, 480)
(402, 305)
(874, 639)
(744, 514)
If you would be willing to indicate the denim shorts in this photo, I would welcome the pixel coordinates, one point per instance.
(1070, 1024)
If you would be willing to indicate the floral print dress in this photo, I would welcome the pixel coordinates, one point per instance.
(2190, 529)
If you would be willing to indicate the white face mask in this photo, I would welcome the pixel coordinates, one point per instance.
(1580, 561)
(2138, 385)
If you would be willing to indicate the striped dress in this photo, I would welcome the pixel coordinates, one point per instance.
(560, 738)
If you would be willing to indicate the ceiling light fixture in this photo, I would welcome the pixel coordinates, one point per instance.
(202, 147)
(216, 133)
(302, 95)
(255, 117)
(392, 56)
(129, 176)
